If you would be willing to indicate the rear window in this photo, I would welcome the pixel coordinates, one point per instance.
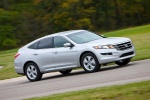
(45, 43)
(42, 44)
(34, 45)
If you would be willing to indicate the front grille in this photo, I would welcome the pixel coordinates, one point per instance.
(127, 54)
(123, 46)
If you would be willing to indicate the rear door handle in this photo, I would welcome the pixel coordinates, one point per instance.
(55, 52)
(35, 54)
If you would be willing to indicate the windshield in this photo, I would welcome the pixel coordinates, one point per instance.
(83, 37)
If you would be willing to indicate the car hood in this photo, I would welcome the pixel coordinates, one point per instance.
(110, 40)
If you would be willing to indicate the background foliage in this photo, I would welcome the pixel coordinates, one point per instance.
(22, 21)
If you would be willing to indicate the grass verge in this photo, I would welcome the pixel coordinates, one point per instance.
(6, 60)
(132, 91)
(139, 35)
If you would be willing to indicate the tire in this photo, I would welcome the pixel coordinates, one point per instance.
(32, 72)
(90, 63)
(123, 62)
(65, 72)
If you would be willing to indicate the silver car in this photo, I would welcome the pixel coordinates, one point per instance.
(67, 50)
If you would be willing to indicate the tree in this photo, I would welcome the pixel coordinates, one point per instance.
(7, 19)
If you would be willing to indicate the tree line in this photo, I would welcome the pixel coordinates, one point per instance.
(22, 21)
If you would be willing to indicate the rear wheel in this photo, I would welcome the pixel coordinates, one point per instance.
(90, 63)
(64, 72)
(32, 72)
(123, 62)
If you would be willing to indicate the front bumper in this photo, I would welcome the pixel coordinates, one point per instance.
(112, 55)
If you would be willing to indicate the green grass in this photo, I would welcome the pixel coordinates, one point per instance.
(132, 91)
(6, 60)
(139, 35)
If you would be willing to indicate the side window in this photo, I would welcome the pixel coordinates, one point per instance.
(34, 45)
(45, 43)
(59, 41)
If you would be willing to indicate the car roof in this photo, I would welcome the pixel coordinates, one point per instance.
(65, 33)
(55, 34)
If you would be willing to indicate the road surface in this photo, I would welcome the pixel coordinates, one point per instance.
(52, 83)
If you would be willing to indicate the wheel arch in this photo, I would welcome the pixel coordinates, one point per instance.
(27, 63)
(85, 53)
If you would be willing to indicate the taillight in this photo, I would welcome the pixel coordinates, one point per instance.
(17, 55)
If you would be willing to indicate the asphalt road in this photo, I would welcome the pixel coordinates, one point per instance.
(20, 88)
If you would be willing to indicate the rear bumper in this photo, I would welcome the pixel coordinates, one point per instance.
(19, 71)
(18, 67)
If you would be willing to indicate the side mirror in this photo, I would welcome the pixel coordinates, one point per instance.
(102, 36)
(67, 45)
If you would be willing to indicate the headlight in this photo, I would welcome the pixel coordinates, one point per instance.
(104, 47)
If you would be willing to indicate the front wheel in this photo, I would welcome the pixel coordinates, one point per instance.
(64, 72)
(123, 62)
(32, 72)
(90, 63)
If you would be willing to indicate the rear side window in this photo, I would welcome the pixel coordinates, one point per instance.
(45, 43)
(34, 45)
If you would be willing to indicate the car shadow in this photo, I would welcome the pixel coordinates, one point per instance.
(80, 72)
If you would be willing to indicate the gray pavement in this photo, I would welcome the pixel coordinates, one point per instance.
(52, 83)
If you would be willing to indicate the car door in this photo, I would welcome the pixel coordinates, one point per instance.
(64, 56)
(44, 55)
